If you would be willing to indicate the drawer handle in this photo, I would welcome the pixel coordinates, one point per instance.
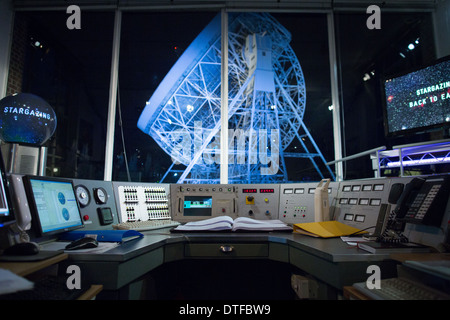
(226, 248)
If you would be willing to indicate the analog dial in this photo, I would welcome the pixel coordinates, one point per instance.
(83, 196)
(100, 195)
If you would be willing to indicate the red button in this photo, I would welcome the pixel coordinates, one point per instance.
(85, 217)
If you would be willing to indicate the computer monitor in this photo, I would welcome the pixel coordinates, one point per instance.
(53, 205)
(7, 215)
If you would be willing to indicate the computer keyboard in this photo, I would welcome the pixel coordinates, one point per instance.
(48, 287)
(146, 225)
(401, 289)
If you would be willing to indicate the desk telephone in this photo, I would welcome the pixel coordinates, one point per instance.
(421, 201)
(424, 200)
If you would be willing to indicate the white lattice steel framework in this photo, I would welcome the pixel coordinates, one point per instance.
(267, 99)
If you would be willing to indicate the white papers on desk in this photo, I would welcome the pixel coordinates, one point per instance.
(10, 282)
(353, 241)
(226, 223)
(61, 245)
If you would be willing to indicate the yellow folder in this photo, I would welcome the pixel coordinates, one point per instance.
(325, 229)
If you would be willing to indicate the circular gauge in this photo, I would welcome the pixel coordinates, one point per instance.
(82, 194)
(100, 195)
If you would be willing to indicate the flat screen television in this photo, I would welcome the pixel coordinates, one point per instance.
(53, 205)
(417, 101)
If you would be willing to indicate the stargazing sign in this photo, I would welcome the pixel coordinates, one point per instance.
(26, 119)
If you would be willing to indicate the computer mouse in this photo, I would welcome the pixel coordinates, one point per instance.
(82, 243)
(22, 249)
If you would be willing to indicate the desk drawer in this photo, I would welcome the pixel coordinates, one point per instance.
(214, 250)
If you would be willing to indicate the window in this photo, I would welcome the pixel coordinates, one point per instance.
(70, 70)
(280, 126)
(365, 58)
(151, 44)
(182, 89)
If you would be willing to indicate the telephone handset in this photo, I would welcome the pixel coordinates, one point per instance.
(20, 201)
(424, 200)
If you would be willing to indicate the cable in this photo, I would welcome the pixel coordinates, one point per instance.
(393, 231)
(356, 232)
(121, 131)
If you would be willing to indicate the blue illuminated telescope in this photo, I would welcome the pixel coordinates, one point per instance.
(266, 103)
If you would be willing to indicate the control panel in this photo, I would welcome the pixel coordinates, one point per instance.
(191, 202)
(96, 201)
(360, 202)
(142, 201)
(363, 204)
(259, 201)
(297, 201)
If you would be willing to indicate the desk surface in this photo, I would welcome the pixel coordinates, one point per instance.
(26, 268)
(330, 260)
(402, 257)
(333, 250)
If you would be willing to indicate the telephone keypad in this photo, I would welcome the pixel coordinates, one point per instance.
(422, 202)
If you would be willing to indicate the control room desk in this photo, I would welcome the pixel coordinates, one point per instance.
(330, 261)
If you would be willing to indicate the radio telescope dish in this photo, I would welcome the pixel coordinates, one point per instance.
(266, 104)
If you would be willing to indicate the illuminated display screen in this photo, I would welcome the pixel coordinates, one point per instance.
(266, 190)
(249, 190)
(198, 206)
(419, 99)
(54, 204)
(26, 118)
